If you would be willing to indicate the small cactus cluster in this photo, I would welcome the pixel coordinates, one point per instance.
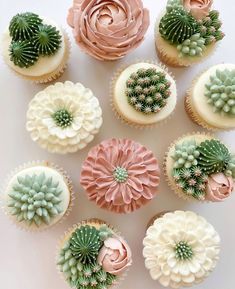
(186, 154)
(193, 46)
(192, 181)
(147, 90)
(221, 91)
(35, 199)
(209, 28)
(30, 39)
(172, 4)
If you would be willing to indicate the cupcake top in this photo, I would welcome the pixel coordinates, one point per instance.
(190, 27)
(181, 249)
(37, 196)
(144, 93)
(64, 117)
(120, 175)
(201, 167)
(93, 255)
(108, 30)
(33, 46)
(213, 96)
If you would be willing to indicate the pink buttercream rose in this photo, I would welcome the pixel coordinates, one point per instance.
(108, 29)
(219, 187)
(115, 256)
(198, 8)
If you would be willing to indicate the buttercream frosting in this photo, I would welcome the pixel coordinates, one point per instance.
(198, 8)
(181, 249)
(48, 112)
(98, 176)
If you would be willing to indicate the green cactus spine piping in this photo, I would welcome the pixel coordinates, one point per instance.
(147, 90)
(35, 199)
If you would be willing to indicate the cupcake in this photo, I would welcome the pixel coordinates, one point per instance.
(180, 249)
(37, 195)
(108, 30)
(210, 102)
(200, 167)
(64, 117)
(120, 175)
(143, 94)
(35, 48)
(187, 32)
(93, 255)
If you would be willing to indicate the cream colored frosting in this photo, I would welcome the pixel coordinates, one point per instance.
(159, 249)
(79, 102)
(44, 65)
(199, 104)
(49, 172)
(127, 111)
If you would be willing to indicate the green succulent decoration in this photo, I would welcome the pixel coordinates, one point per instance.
(46, 40)
(62, 118)
(85, 244)
(214, 156)
(35, 199)
(30, 38)
(105, 232)
(230, 171)
(23, 53)
(83, 276)
(24, 25)
(186, 154)
(147, 90)
(209, 28)
(193, 46)
(191, 180)
(177, 25)
(172, 4)
(221, 92)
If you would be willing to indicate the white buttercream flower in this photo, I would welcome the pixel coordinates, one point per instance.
(64, 117)
(180, 249)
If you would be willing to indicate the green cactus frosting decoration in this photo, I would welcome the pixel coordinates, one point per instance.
(221, 91)
(30, 39)
(147, 90)
(77, 259)
(193, 46)
(172, 4)
(23, 53)
(47, 40)
(35, 199)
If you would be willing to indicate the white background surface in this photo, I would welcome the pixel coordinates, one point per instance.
(27, 260)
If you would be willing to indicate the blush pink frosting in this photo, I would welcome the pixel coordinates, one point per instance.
(108, 29)
(115, 256)
(198, 8)
(97, 176)
(219, 187)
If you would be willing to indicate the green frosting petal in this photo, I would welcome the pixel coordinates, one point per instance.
(24, 25)
(85, 244)
(35, 199)
(177, 25)
(23, 53)
(220, 92)
(147, 90)
(47, 40)
(193, 46)
(214, 156)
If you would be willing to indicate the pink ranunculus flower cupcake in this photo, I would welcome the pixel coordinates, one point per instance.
(120, 175)
(108, 30)
(198, 8)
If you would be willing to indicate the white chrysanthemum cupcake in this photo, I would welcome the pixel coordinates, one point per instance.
(64, 117)
(180, 249)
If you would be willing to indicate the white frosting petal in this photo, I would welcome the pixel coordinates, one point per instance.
(159, 249)
(79, 102)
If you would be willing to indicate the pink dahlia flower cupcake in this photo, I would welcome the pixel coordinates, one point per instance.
(120, 175)
(108, 30)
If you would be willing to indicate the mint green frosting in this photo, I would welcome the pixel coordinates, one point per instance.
(105, 232)
(172, 4)
(120, 175)
(220, 91)
(63, 118)
(193, 46)
(35, 199)
(183, 251)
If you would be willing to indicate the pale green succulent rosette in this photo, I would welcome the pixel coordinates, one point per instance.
(37, 195)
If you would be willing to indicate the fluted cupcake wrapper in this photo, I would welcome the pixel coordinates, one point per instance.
(114, 107)
(34, 228)
(180, 193)
(67, 234)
